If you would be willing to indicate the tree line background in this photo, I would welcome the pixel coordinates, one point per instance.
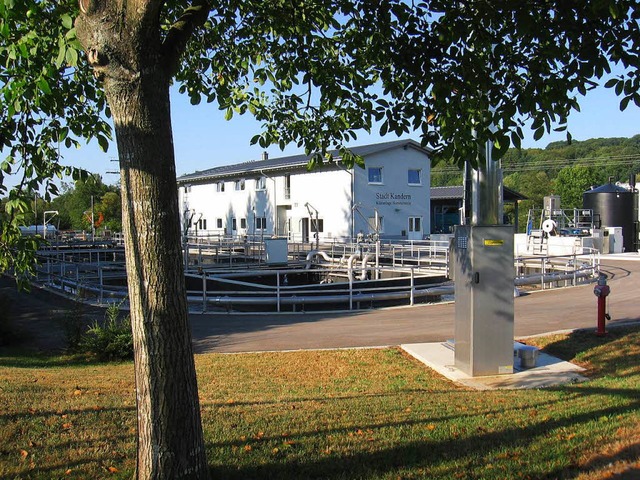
(562, 168)
(74, 206)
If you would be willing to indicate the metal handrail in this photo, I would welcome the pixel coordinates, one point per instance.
(65, 272)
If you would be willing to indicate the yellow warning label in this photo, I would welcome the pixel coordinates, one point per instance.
(493, 243)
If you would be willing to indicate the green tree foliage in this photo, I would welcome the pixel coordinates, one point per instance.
(615, 158)
(572, 182)
(74, 205)
(534, 185)
(463, 73)
(110, 209)
(445, 173)
(562, 168)
(45, 103)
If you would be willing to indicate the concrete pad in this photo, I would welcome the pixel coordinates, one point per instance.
(547, 372)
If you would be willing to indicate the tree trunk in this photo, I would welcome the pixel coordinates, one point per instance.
(170, 443)
(136, 83)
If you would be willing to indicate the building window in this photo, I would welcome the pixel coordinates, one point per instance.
(243, 223)
(375, 174)
(261, 183)
(287, 187)
(414, 176)
(234, 225)
(261, 223)
(202, 224)
(320, 225)
(220, 187)
(219, 223)
(373, 228)
(187, 188)
(239, 184)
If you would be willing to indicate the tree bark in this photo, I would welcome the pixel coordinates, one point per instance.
(136, 83)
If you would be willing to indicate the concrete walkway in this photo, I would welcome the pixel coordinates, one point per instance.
(548, 370)
(537, 313)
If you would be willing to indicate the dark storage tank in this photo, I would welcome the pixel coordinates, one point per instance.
(617, 207)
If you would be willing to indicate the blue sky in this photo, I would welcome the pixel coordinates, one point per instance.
(203, 139)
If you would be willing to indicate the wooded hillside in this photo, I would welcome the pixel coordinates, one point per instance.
(565, 169)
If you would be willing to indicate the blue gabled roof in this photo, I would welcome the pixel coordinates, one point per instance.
(291, 162)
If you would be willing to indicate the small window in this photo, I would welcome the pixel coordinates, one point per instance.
(373, 228)
(187, 188)
(219, 223)
(239, 184)
(234, 224)
(320, 225)
(261, 223)
(375, 174)
(202, 224)
(220, 187)
(243, 223)
(287, 187)
(261, 183)
(414, 176)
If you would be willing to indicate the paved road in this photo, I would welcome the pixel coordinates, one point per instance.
(536, 313)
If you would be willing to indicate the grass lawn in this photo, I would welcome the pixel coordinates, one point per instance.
(335, 414)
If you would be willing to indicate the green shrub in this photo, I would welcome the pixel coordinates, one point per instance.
(112, 340)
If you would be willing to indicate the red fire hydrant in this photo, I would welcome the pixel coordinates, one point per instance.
(601, 290)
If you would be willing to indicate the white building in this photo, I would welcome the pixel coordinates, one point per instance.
(280, 197)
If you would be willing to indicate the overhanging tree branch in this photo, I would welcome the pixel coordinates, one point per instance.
(176, 40)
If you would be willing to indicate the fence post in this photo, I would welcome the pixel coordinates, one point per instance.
(278, 291)
(411, 291)
(204, 292)
(186, 253)
(100, 279)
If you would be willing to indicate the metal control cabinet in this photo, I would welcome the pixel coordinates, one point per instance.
(484, 273)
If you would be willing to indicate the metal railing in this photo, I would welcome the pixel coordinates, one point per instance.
(98, 275)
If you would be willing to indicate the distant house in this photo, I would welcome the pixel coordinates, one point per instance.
(281, 197)
(446, 203)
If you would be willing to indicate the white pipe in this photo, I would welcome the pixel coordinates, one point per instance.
(350, 267)
(314, 253)
(352, 258)
(363, 273)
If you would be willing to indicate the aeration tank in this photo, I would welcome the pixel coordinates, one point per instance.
(617, 207)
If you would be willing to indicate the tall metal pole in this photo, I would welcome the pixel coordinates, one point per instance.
(93, 223)
(486, 190)
(377, 220)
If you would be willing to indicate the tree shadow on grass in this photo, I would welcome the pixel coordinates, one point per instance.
(462, 455)
(18, 357)
(618, 350)
(619, 465)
